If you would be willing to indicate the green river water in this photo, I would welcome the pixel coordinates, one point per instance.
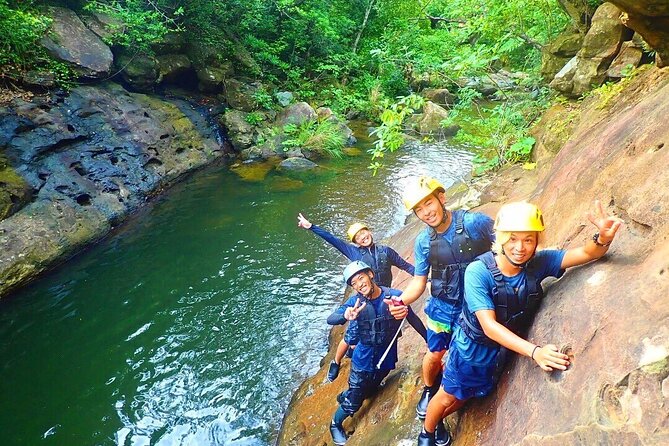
(195, 322)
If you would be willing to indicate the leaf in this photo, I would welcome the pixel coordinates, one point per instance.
(530, 166)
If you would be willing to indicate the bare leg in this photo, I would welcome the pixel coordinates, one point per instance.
(341, 351)
(441, 405)
(432, 366)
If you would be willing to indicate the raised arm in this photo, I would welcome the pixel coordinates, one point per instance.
(350, 251)
(607, 227)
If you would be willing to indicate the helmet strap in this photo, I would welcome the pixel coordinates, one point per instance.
(519, 265)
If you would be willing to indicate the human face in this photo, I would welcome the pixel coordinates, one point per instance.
(431, 210)
(362, 283)
(364, 238)
(521, 246)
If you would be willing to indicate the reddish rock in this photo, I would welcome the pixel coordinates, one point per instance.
(612, 316)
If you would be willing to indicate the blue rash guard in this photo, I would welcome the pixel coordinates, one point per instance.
(355, 252)
(442, 316)
(471, 365)
(365, 357)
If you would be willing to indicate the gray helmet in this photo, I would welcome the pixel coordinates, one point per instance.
(354, 268)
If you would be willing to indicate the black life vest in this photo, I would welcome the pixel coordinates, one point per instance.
(448, 261)
(514, 309)
(376, 257)
(377, 329)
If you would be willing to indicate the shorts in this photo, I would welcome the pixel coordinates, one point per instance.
(438, 336)
(464, 380)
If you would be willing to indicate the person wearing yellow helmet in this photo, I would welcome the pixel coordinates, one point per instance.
(380, 258)
(451, 240)
(502, 293)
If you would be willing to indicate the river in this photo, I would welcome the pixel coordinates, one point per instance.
(194, 323)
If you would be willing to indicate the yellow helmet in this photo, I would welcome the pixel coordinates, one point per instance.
(420, 189)
(519, 217)
(354, 229)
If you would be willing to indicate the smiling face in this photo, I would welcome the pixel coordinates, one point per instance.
(521, 246)
(364, 238)
(431, 209)
(362, 283)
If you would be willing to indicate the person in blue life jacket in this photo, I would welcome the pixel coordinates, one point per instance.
(378, 330)
(502, 293)
(380, 258)
(450, 242)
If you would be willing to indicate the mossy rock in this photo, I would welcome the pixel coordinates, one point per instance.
(284, 184)
(14, 191)
(253, 172)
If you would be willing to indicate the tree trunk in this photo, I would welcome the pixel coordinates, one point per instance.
(362, 27)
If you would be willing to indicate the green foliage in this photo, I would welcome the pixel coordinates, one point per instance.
(323, 136)
(609, 90)
(500, 132)
(390, 134)
(139, 23)
(263, 99)
(254, 118)
(20, 30)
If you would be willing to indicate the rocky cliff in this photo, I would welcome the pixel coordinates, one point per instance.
(83, 162)
(612, 316)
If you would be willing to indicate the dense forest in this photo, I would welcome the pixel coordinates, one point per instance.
(360, 57)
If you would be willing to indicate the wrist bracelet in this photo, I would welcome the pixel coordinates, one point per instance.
(535, 349)
(595, 238)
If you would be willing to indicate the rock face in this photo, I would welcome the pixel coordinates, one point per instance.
(72, 42)
(89, 161)
(600, 45)
(612, 316)
(555, 55)
(650, 18)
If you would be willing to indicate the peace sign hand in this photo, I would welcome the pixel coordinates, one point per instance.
(351, 313)
(303, 222)
(608, 225)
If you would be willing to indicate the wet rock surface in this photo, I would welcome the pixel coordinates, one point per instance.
(613, 314)
(89, 159)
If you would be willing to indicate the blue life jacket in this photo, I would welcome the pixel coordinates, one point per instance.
(377, 257)
(377, 329)
(448, 261)
(514, 309)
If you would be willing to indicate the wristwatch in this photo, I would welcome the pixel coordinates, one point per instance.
(595, 238)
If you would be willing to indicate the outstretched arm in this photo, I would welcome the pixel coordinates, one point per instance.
(548, 357)
(399, 262)
(607, 227)
(350, 251)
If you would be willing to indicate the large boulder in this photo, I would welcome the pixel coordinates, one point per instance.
(70, 41)
(240, 132)
(430, 121)
(440, 96)
(173, 67)
(296, 114)
(103, 25)
(240, 95)
(211, 79)
(629, 56)
(297, 164)
(556, 54)
(649, 18)
(600, 46)
(140, 71)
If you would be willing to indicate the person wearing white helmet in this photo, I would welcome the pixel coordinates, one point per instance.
(502, 293)
(380, 258)
(378, 329)
(450, 242)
